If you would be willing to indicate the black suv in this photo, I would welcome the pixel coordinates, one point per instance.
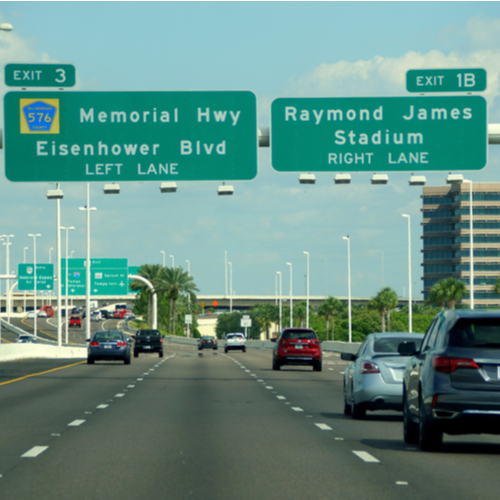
(452, 383)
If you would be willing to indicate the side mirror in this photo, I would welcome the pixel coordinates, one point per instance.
(87, 340)
(407, 348)
(347, 356)
(273, 340)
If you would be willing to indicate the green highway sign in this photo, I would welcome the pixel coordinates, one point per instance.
(368, 134)
(130, 136)
(446, 80)
(40, 75)
(44, 277)
(108, 277)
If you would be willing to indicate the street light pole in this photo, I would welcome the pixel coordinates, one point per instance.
(88, 208)
(173, 265)
(307, 292)
(189, 297)
(291, 295)
(34, 236)
(66, 281)
(471, 244)
(280, 302)
(7, 271)
(163, 252)
(410, 307)
(230, 264)
(349, 284)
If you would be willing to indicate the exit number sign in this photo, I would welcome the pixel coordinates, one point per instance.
(446, 80)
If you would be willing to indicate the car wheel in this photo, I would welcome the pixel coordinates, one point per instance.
(347, 407)
(429, 439)
(136, 354)
(410, 428)
(244, 349)
(90, 361)
(126, 361)
(225, 350)
(276, 364)
(358, 412)
(317, 366)
(160, 354)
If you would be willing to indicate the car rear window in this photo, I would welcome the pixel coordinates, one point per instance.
(391, 345)
(148, 332)
(475, 332)
(299, 335)
(108, 336)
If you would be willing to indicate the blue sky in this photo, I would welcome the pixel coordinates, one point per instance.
(275, 49)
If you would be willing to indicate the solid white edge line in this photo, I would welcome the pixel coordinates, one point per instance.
(34, 452)
(366, 457)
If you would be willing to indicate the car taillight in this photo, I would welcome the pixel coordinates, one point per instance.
(161, 340)
(445, 364)
(369, 367)
(121, 344)
(94, 344)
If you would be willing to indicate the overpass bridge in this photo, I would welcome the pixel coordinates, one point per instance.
(239, 302)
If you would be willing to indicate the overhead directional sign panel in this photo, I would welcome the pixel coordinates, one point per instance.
(130, 136)
(44, 277)
(107, 276)
(367, 134)
(446, 80)
(40, 75)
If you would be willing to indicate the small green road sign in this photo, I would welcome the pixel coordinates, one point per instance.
(130, 136)
(40, 75)
(369, 134)
(108, 277)
(446, 80)
(44, 277)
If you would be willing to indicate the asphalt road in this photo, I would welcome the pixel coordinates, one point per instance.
(214, 426)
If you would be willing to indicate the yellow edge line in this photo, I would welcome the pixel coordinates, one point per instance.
(46, 333)
(41, 373)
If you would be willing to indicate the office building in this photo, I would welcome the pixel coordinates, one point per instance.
(446, 238)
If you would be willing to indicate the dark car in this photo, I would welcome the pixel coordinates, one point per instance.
(297, 346)
(109, 345)
(452, 383)
(207, 342)
(374, 379)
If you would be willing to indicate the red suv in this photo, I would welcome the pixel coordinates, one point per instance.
(75, 321)
(297, 346)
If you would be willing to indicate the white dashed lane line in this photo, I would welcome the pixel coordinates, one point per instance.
(323, 427)
(366, 457)
(101, 407)
(76, 423)
(120, 395)
(34, 452)
(281, 397)
(297, 408)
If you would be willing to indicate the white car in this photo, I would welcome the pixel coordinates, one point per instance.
(235, 341)
(26, 339)
(41, 314)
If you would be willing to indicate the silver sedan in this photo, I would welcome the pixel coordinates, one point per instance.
(374, 379)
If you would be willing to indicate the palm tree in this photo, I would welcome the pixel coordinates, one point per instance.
(327, 310)
(496, 288)
(384, 302)
(174, 281)
(151, 272)
(266, 314)
(454, 290)
(437, 295)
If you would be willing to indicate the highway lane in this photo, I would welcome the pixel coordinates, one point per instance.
(218, 426)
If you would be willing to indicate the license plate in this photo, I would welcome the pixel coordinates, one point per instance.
(108, 346)
(498, 371)
(299, 347)
(147, 347)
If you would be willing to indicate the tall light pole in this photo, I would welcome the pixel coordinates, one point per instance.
(278, 273)
(24, 292)
(230, 286)
(163, 252)
(66, 280)
(291, 295)
(50, 255)
(172, 257)
(307, 291)
(189, 296)
(34, 236)
(410, 308)
(225, 268)
(7, 270)
(471, 244)
(349, 284)
(87, 208)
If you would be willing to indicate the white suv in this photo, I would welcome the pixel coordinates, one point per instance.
(235, 341)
